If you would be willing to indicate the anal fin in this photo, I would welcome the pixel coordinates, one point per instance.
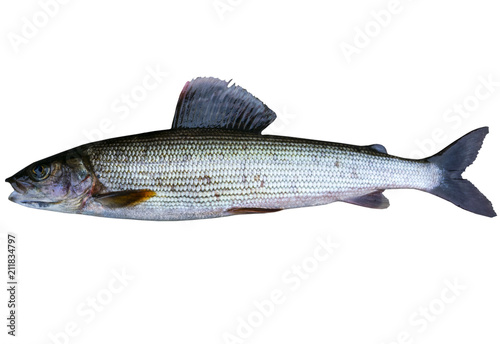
(121, 199)
(375, 200)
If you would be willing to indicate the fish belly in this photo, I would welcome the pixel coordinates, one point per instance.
(211, 173)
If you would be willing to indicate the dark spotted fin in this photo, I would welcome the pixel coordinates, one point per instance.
(453, 160)
(212, 103)
(239, 211)
(121, 199)
(374, 200)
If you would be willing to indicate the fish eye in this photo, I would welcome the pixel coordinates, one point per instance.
(39, 172)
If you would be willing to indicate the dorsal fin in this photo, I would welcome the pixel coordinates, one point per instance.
(211, 103)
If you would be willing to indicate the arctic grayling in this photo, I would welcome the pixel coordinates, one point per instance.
(215, 162)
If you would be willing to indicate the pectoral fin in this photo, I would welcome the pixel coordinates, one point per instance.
(121, 199)
(374, 200)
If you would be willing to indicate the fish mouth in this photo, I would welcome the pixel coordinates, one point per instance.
(36, 204)
(20, 189)
(18, 198)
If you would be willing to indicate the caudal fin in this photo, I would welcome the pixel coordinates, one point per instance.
(453, 160)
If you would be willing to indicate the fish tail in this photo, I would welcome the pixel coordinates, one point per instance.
(453, 160)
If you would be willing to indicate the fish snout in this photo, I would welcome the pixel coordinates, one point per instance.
(17, 185)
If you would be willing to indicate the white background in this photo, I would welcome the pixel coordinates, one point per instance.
(193, 280)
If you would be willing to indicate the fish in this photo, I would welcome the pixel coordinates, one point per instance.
(215, 161)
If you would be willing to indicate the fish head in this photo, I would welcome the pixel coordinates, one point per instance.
(59, 183)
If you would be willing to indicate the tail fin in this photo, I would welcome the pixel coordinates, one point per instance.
(453, 160)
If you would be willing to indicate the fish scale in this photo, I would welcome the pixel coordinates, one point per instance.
(213, 171)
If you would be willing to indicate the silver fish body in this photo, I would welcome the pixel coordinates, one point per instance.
(204, 173)
(215, 162)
